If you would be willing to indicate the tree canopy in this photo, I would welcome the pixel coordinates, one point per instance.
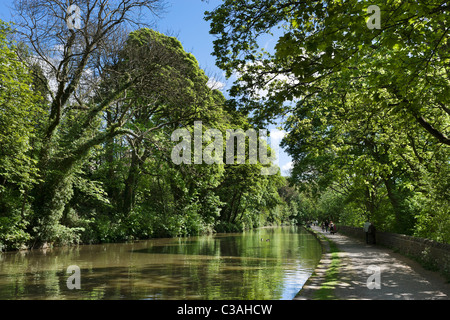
(367, 108)
(86, 135)
(88, 116)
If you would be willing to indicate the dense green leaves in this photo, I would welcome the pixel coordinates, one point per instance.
(367, 109)
(103, 171)
(19, 117)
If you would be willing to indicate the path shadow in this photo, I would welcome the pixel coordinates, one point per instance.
(400, 277)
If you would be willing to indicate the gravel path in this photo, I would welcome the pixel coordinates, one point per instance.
(400, 278)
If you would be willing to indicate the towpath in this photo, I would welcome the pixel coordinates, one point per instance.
(400, 278)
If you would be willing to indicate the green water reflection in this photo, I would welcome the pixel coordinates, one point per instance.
(223, 266)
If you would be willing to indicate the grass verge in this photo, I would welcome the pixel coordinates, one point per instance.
(326, 290)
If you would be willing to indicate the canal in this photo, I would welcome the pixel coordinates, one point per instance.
(262, 264)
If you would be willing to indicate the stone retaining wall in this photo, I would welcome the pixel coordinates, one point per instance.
(432, 255)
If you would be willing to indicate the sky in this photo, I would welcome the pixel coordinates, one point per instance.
(185, 20)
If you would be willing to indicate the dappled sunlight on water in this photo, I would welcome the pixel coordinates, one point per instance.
(223, 266)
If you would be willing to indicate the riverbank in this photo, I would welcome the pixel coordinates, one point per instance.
(353, 267)
(52, 245)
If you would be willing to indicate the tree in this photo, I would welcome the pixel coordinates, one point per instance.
(89, 110)
(340, 140)
(173, 93)
(19, 116)
(366, 106)
(322, 39)
(74, 60)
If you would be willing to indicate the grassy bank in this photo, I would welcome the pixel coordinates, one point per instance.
(326, 290)
(321, 284)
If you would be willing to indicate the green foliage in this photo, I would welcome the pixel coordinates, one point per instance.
(99, 170)
(13, 222)
(19, 117)
(326, 290)
(367, 108)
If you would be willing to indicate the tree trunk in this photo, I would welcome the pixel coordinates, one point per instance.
(130, 185)
(403, 218)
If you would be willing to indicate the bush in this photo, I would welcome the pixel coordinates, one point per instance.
(13, 222)
(228, 227)
(12, 233)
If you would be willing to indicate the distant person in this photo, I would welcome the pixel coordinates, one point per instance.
(323, 226)
(326, 225)
(332, 227)
(366, 230)
(372, 232)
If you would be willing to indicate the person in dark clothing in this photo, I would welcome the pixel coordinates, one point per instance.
(332, 227)
(326, 225)
(372, 234)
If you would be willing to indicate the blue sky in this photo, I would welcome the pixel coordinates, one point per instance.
(184, 19)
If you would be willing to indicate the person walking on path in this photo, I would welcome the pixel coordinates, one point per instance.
(372, 236)
(332, 227)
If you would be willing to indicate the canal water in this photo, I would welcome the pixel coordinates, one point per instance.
(262, 264)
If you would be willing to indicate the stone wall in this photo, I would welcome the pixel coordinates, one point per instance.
(432, 255)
